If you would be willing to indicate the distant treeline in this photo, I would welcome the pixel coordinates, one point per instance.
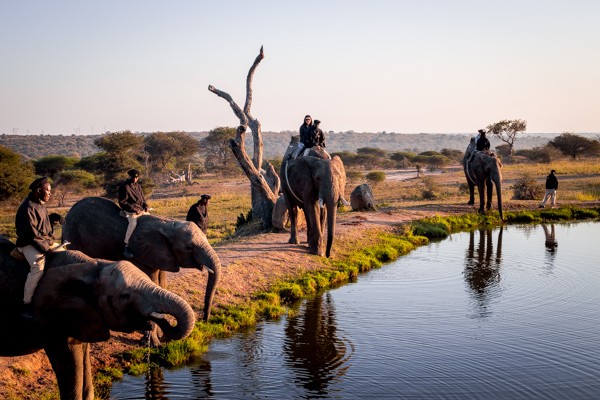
(275, 143)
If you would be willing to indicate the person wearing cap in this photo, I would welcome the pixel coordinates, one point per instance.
(483, 142)
(133, 203)
(198, 213)
(34, 236)
(551, 188)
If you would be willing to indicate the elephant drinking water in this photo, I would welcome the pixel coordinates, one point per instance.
(79, 300)
(93, 225)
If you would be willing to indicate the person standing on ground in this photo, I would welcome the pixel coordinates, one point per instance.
(551, 188)
(198, 213)
(34, 237)
(133, 203)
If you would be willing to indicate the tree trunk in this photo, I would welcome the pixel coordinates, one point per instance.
(264, 187)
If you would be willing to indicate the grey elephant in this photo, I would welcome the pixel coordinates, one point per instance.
(315, 185)
(78, 301)
(483, 168)
(94, 226)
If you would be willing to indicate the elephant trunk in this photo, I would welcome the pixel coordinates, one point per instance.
(169, 303)
(211, 261)
(498, 182)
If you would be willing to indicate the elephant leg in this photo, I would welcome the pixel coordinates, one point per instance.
(67, 360)
(471, 193)
(314, 233)
(293, 213)
(488, 185)
(480, 189)
(88, 380)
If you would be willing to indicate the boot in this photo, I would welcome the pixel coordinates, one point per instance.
(127, 252)
(27, 312)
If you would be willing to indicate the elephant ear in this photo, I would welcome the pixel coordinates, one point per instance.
(66, 303)
(152, 242)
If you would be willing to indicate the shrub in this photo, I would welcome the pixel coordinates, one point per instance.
(526, 188)
(376, 176)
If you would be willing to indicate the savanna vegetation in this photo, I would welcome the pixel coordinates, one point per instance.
(419, 195)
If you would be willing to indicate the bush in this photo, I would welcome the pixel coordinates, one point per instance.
(431, 190)
(526, 188)
(354, 176)
(375, 176)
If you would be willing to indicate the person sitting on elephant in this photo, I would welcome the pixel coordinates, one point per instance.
(198, 213)
(34, 236)
(305, 134)
(483, 142)
(133, 203)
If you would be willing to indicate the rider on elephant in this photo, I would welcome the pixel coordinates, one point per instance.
(133, 203)
(34, 237)
(310, 135)
(483, 142)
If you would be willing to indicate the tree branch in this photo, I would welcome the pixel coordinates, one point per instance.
(236, 109)
(257, 180)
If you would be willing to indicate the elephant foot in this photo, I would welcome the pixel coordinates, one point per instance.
(293, 241)
(471, 203)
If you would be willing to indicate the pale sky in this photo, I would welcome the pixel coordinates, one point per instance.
(405, 66)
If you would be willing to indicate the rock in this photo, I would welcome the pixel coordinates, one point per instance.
(362, 198)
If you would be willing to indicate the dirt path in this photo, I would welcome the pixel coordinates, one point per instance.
(250, 264)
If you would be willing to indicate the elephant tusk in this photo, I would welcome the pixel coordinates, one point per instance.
(321, 204)
(344, 201)
(210, 271)
(158, 315)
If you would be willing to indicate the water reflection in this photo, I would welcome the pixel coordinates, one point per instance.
(551, 242)
(482, 269)
(200, 377)
(313, 348)
(155, 385)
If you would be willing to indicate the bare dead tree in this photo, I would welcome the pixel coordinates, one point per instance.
(263, 177)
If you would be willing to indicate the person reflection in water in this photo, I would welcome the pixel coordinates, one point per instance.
(482, 269)
(551, 243)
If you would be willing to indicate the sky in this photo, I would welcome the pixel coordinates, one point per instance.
(404, 66)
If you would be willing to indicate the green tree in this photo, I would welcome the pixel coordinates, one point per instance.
(507, 131)
(165, 147)
(54, 164)
(15, 174)
(219, 157)
(123, 150)
(73, 181)
(574, 145)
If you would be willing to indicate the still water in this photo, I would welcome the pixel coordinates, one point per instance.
(509, 313)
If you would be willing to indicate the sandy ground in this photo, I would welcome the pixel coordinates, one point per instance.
(250, 263)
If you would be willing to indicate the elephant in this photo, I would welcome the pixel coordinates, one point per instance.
(78, 301)
(94, 226)
(315, 184)
(483, 168)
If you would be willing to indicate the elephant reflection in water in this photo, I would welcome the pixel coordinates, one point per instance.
(313, 347)
(482, 269)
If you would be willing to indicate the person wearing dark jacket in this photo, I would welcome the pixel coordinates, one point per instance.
(133, 203)
(34, 236)
(198, 213)
(483, 142)
(306, 130)
(551, 188)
